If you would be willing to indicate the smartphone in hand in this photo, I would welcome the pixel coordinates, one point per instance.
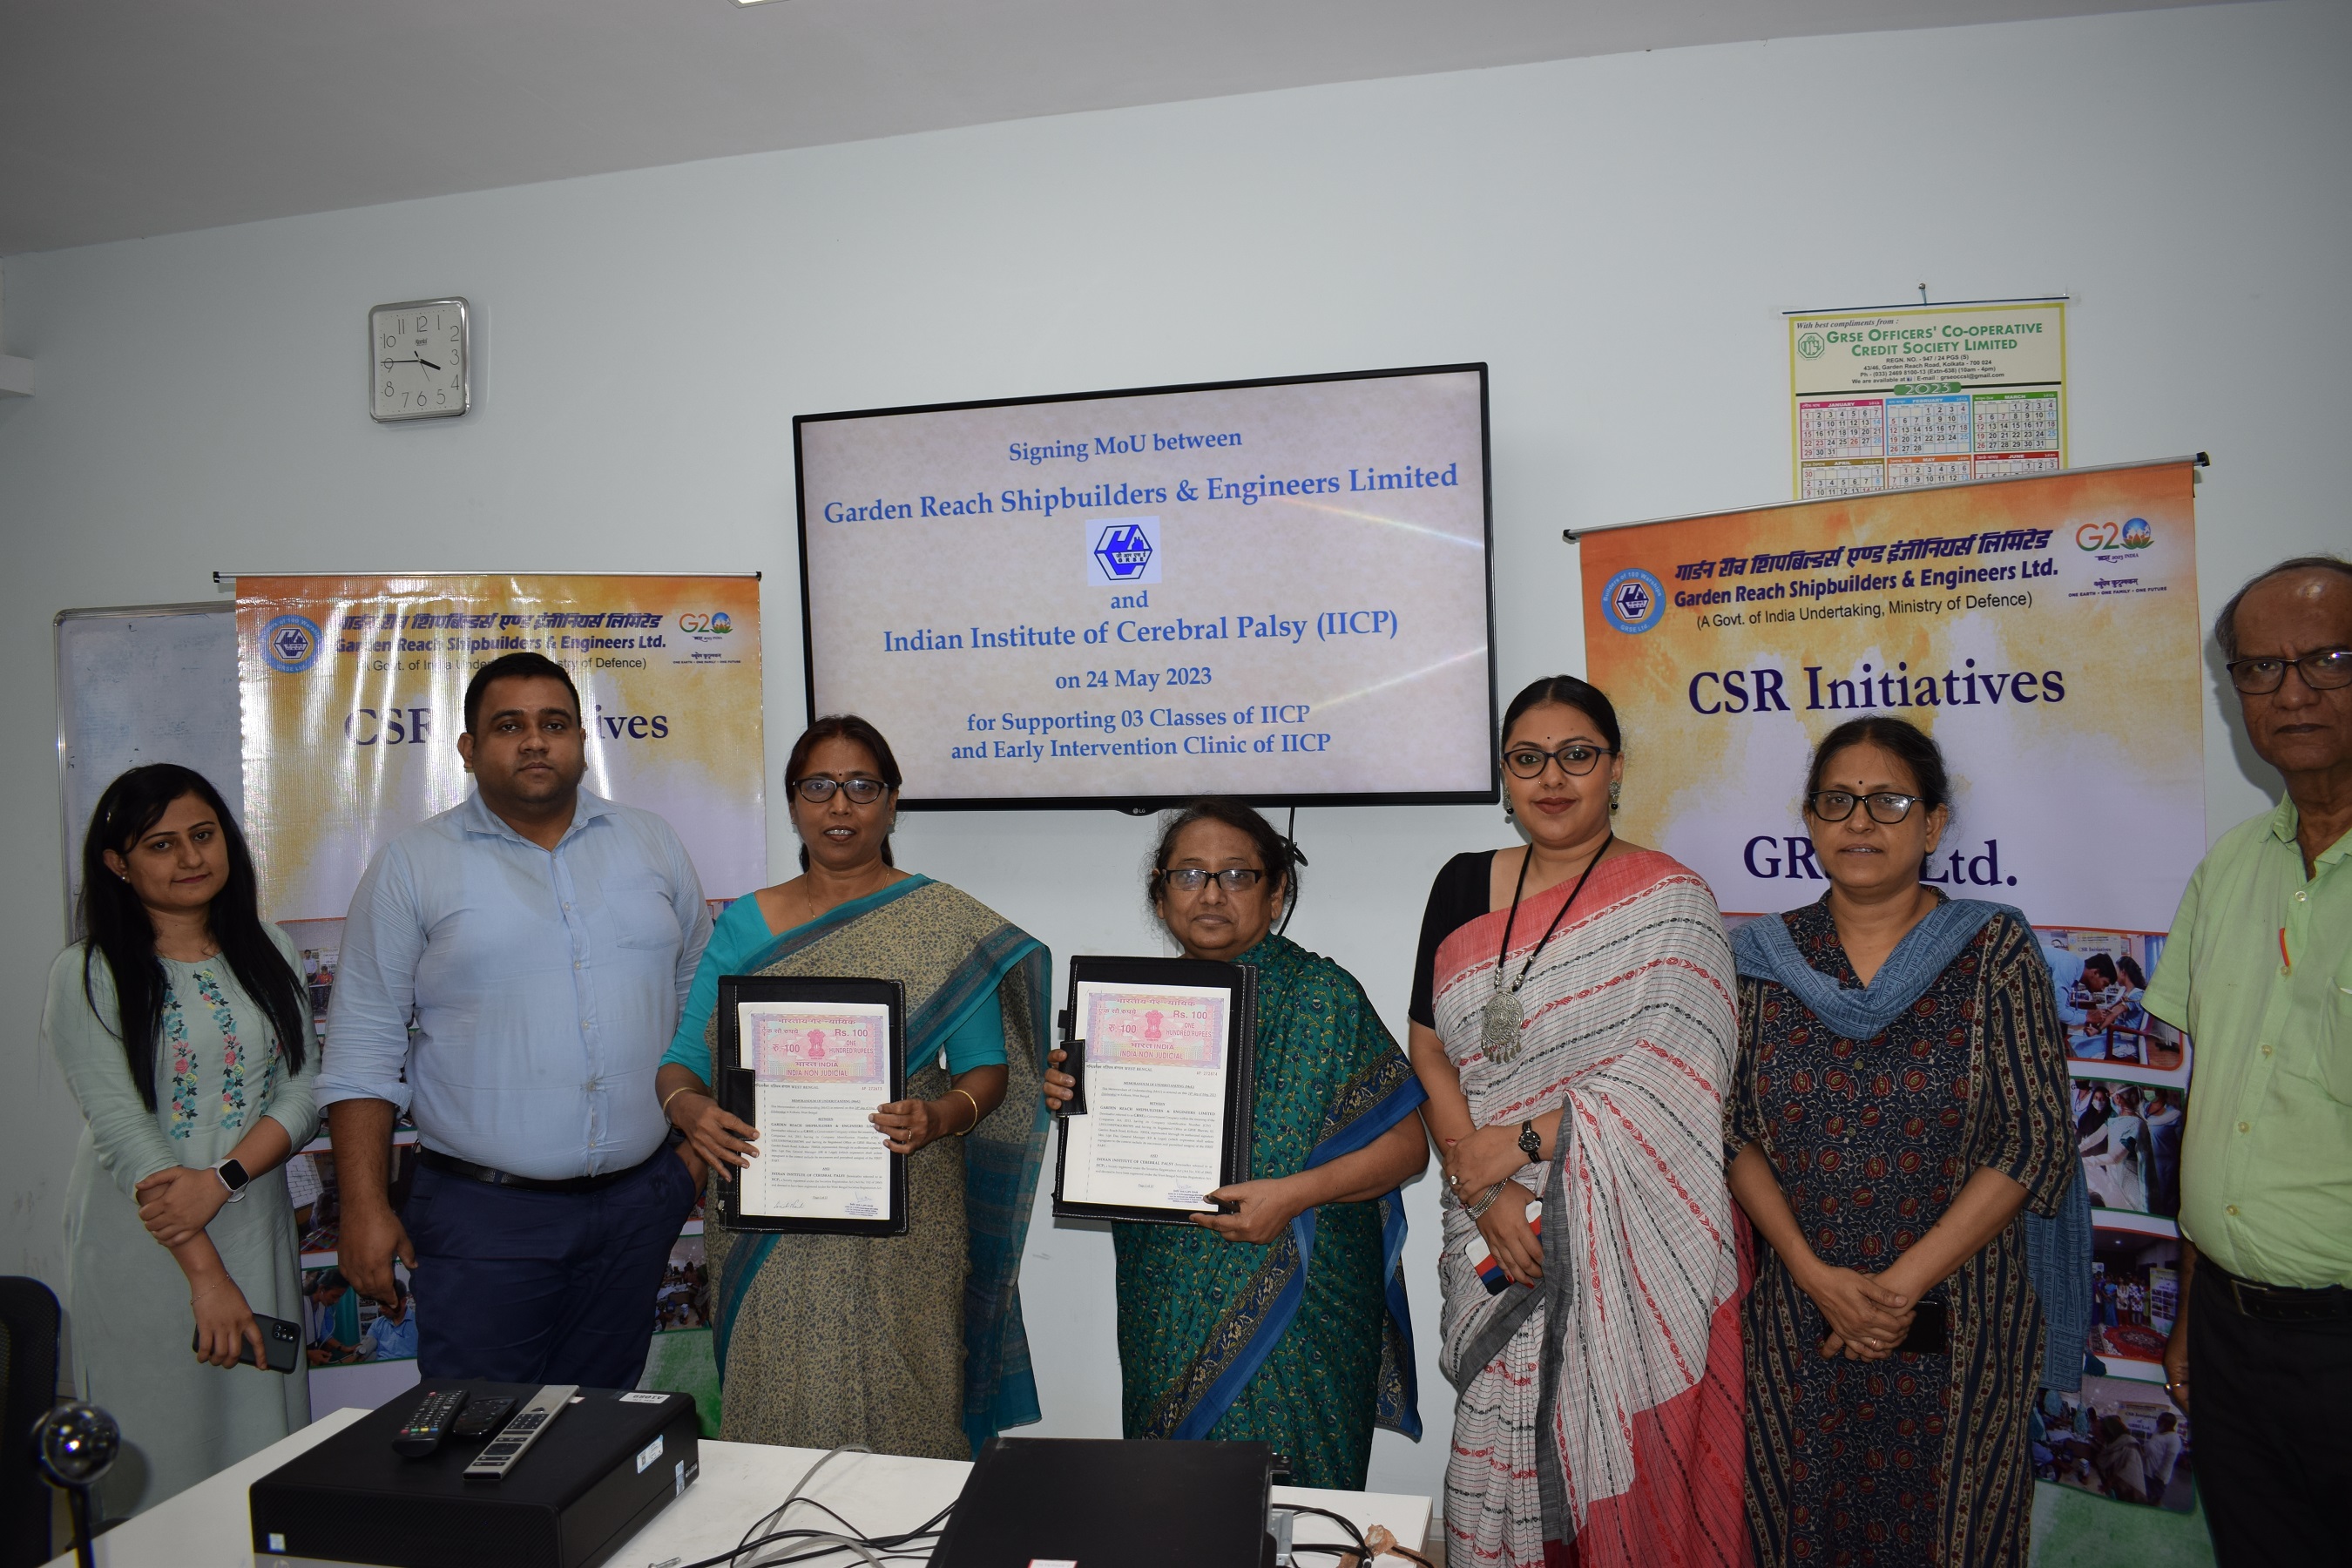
(1491, 1273)
(282, 1338)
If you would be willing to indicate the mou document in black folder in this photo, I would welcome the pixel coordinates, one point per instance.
(807, 1062)
(1162, 1050)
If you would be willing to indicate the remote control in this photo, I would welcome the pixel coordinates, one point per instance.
(494, 1461)
(481, 1417)
(429, 1423)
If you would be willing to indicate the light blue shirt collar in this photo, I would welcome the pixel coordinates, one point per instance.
(473, 817)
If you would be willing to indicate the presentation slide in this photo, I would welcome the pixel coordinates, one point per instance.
(1272, 590)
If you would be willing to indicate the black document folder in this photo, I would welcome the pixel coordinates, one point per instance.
(1136, 1031)
(737, 1091)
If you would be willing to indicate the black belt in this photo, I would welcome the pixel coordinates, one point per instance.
(449, 1165)
(2281, 1304)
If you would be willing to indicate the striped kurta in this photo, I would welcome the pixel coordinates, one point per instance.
(1599, 1417)
(1918, 1459)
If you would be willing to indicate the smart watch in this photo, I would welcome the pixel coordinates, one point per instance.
(1530, 1144)
(232, 1177)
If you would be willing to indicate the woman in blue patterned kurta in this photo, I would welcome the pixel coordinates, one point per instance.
(1901, 1102)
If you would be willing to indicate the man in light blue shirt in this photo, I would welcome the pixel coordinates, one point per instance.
(511, 974)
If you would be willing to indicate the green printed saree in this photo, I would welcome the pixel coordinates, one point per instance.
(1303, 1343)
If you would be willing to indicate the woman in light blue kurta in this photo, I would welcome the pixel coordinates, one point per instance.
(178, 1221)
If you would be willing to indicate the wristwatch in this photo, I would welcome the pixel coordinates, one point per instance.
(1529, 1143)
(232, 1177)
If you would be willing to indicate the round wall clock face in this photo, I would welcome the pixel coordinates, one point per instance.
(420, 360)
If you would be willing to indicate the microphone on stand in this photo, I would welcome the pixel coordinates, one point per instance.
(75, 1444)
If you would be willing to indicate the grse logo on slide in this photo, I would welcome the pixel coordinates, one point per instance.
(1633, 601)
(1122, 551)
(289, 643)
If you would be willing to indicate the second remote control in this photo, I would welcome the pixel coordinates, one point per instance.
(429, 1423)
(482, 1416)
(495, 1461)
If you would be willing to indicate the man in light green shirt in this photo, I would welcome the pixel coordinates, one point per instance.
(2258, 970)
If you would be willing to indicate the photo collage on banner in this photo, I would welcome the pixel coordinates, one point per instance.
(353, 695)
(2044, 630)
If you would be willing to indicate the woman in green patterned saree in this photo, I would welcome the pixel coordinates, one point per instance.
(909, 1345)
(1283, 1320)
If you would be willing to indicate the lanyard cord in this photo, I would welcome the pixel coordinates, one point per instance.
(1505, 950)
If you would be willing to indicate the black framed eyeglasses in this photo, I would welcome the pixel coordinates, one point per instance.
(1192, 878)
(817, 789)
(1884, 807)
(1576, 759)
(2322, 671)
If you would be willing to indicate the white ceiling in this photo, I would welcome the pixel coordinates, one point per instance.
(121, 118)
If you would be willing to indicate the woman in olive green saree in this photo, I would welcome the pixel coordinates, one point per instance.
(909, 1345)
(1283, 1321)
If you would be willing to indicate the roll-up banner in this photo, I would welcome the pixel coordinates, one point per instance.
(2045, 631)
(353, 696)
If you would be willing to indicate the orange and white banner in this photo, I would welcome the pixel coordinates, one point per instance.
(353, 692)
(2044, 630)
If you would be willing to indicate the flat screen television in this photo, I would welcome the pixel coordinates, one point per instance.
(1272, 589)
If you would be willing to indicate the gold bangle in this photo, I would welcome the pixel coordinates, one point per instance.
(975, 1108)
(673, 1094)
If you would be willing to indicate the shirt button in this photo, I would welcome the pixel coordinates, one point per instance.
(2243, 1128)
(2232, 1208)
(2266, 1050)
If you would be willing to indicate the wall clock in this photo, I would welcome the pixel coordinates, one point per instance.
(420, 360)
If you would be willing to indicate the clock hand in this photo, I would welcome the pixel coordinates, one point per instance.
(429, 364)
(409, 360)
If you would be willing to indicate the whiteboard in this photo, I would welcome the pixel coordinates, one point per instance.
(144, 683)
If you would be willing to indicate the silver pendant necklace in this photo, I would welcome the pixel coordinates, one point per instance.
(1502, 1018)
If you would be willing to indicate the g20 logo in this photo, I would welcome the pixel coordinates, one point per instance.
(290, 644)
(2134, 533)
(712, 624)
(1633, 601)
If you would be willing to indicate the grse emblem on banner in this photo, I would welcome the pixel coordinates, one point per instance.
(1124, 550)
(289, 643)
(1633, 600)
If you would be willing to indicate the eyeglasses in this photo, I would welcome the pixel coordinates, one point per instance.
(2322, 671)
(1885, 807)
(1192, 878)
(1576, 759)
(817, 790)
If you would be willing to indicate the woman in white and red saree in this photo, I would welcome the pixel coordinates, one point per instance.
(1573, 1022)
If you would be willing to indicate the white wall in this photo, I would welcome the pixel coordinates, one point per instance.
(1616, 236)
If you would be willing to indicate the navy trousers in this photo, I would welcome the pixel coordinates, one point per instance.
(523, 1286)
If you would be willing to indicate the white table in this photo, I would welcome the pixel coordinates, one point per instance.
(207, 1525)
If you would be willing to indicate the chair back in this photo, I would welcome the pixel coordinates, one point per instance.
(28, 1387)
